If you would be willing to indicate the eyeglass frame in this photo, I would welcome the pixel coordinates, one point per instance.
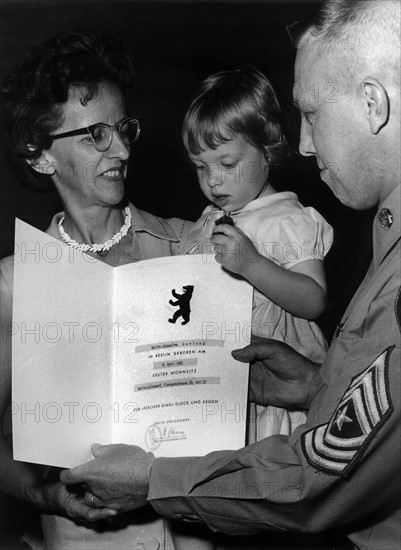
(112, 127)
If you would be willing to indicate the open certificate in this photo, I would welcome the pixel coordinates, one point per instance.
(137, 354)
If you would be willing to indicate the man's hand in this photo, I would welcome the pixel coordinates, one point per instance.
(279, 375)
(118, 477)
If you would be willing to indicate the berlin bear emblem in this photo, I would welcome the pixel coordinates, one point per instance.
(183, 301)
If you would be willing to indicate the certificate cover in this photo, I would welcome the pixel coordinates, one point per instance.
(137, 354)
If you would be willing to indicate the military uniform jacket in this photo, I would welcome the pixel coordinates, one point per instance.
(340, 470)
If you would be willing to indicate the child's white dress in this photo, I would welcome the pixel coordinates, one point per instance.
(288, 233)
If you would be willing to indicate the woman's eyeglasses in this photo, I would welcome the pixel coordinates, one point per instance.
(102, 134)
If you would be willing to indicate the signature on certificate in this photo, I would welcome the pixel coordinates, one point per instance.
(156, 435)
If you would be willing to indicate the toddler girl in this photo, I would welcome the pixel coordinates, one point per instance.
(232, 133)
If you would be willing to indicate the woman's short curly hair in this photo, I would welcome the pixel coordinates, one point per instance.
(37, 89)
(228, 103)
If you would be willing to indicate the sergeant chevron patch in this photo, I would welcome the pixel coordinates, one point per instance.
(336, 447)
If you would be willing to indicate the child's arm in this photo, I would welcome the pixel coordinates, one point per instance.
(300, 290)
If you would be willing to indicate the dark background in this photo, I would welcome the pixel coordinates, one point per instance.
(176, 45)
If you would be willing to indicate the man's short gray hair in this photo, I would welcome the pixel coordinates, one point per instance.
(359, 32)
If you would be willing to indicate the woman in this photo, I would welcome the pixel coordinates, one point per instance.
(68, 126)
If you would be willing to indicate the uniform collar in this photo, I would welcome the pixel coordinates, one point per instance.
(387, 226)
(141, 221)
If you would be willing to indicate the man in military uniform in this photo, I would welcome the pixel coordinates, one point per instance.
(340, 470)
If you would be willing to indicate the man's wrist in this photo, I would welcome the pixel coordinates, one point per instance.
(313, 384)
(152, 460)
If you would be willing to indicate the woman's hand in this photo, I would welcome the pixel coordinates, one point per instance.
(59, 499)
(234, 250)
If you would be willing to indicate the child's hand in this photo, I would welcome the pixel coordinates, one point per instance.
(234, 250)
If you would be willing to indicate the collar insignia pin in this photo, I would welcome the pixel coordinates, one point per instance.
(385, 218)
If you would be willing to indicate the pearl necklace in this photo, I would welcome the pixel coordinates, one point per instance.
(99, 248)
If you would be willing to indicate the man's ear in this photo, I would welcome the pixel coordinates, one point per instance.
(378, 107)
(42, 164)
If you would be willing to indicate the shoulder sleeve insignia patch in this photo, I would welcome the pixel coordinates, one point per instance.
(336, 447)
